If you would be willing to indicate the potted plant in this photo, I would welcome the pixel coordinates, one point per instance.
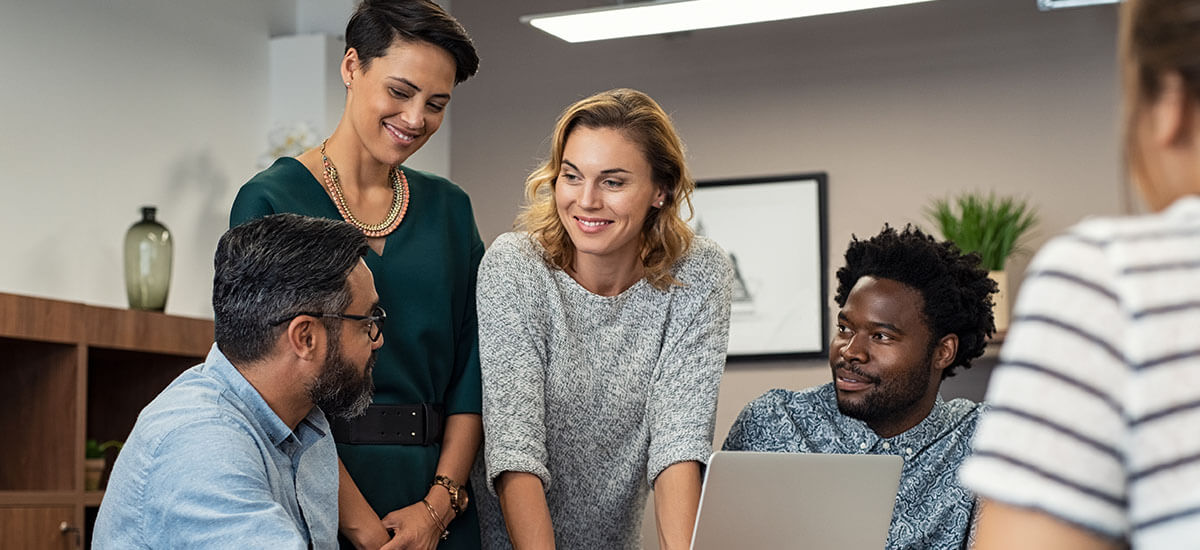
(990, 225)
(94, 462)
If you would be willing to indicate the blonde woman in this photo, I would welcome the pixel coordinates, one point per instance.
(1092, 440)
(603, 331)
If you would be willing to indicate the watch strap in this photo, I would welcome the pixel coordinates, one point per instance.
(453, 488)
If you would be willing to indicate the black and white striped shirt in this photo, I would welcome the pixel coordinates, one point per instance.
(1095, 413)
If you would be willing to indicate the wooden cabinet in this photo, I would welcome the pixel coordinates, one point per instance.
(69, 372)
(24, 527)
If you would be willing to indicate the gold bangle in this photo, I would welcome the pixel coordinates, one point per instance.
(437, 520)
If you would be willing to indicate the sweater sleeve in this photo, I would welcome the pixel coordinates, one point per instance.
(682, 406)
(512, 358)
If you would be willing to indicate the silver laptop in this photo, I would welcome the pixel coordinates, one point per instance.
(796, 500)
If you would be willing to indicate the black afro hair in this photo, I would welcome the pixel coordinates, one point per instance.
(956, 290)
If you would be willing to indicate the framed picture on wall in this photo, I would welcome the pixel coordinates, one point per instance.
(774, 230)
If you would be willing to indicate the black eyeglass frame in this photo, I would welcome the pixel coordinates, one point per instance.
(374, 332)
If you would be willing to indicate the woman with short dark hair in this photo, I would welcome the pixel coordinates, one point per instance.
(409, 457)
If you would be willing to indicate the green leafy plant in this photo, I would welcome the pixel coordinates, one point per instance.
(95, 449)
(987, 224)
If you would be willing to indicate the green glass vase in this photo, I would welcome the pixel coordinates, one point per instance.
(148, 249)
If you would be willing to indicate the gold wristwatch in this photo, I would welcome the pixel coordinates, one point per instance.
(458, 495)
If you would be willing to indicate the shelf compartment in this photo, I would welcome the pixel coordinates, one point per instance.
(38, 414)
(120, 383)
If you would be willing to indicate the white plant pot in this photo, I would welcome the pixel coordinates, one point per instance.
(93, 468)
(1001, 309)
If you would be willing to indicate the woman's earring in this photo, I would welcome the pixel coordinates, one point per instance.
(347, 84)
(659, 204)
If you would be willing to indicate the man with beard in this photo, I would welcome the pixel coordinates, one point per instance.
(236, 452)
(912, 311)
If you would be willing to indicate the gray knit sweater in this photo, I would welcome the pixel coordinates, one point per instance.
(595, 395)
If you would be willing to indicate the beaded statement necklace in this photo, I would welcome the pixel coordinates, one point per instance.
(395, 213)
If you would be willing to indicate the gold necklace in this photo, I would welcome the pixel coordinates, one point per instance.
(395, 214)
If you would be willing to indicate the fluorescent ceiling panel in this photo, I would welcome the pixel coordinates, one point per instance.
(1047, 5)
(645, 18)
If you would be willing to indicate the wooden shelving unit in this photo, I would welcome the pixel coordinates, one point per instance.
(69, 372)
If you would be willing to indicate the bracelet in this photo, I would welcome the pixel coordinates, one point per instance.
(433, 514)
(458, 493)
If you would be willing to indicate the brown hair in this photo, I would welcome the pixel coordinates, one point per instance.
(666, 237)
(1157, 37)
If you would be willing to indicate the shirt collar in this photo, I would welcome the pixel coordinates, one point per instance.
(925, 431)
(312, 428)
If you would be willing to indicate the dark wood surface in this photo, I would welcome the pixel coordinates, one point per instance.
(69, 372)
(39, 319)
(37, 415)
(147, 331)
(36, 528)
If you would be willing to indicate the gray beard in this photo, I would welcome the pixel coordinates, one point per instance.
(340, 391)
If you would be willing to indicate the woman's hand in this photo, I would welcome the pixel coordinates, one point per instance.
(414, 528)
(357, 521)
(368, 539)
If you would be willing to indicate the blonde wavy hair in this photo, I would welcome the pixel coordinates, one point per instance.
(666, 236)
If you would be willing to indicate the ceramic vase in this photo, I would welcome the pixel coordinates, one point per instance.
(148, 249)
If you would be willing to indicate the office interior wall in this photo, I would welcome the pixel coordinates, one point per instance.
(107, 106)
(897, 105)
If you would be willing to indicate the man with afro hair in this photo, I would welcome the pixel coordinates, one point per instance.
(912, 311)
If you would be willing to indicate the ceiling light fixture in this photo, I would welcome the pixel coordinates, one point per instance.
(667, 16)
(1047, 5)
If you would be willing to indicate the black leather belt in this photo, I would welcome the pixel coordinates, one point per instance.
(419, 424)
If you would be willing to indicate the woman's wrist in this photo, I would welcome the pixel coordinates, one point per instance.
(366, 535)
(439, 499)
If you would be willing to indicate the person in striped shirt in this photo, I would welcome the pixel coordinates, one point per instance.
(1092, 438)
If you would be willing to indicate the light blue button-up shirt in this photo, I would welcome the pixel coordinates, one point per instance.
(210, 465)
(933, 512)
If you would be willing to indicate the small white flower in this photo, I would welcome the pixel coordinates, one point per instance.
(288, 140)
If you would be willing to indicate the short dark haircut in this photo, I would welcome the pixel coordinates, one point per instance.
(957, 292)
(270, 268)
(377, 24)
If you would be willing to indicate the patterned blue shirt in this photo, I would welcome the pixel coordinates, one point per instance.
(210, 465)
(932, 510)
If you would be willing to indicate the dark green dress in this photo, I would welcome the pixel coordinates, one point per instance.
(426, 282)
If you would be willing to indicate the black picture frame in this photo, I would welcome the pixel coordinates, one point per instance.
(775, 230)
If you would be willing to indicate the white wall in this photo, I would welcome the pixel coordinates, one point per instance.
(109, 105)
(898, 105)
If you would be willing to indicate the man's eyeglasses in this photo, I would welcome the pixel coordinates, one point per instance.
(377, 317)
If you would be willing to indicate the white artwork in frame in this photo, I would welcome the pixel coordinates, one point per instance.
(773, 229)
